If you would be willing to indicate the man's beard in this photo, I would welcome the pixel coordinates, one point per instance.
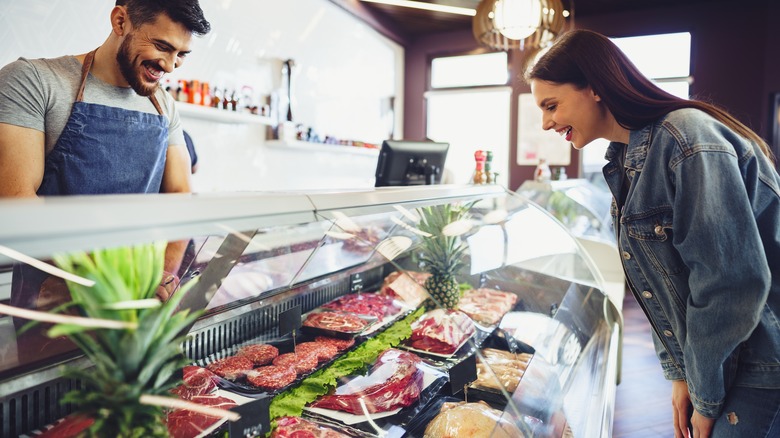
(129, 72)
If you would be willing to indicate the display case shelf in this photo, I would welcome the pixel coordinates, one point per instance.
(220, 115)
(307, 146)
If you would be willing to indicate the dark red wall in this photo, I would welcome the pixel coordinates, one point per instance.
(735, 51)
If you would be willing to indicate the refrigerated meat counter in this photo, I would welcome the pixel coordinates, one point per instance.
(350, 269)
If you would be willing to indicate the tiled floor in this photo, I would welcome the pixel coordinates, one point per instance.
(643, 399)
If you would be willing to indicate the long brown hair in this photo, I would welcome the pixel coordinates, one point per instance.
(586, 58)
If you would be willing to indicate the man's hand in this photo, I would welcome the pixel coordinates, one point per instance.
(167, 286)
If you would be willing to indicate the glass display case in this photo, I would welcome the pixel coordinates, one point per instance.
(475, 285)
(578, 203)
(584, 208)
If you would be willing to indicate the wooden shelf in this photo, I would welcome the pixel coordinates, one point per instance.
(322, 147)
(220, 115)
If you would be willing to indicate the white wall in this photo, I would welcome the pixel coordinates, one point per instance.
(345, 72)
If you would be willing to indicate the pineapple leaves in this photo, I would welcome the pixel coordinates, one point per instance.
(131, 361)
(442, 254)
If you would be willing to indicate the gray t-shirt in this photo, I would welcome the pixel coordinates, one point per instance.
(39, 94)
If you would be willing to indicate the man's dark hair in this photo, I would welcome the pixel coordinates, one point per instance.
(185, 12)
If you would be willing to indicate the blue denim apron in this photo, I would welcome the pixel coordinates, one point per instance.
(102, 150)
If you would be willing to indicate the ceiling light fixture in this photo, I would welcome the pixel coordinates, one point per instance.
(427, 6)
(519, 24)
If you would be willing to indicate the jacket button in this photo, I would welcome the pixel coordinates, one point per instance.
(647, 294)
(659, 230)
(668, 333)
(626, 255)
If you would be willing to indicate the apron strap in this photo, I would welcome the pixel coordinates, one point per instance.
(84, 72)
(156, 104)
(87, 66)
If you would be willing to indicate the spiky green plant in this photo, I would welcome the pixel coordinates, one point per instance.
(442, 252)
(129, 362)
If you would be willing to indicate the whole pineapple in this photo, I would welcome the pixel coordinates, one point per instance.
(442, 252)
(132, 362)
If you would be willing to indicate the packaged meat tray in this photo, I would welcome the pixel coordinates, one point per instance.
(486, 306)
(281, 370)
(441, 332)
(473, 420)
(497, 370)
(396, 381)
(298, 427)
(336, 324)
(368, 304)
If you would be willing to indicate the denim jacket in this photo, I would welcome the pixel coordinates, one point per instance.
(699, 237)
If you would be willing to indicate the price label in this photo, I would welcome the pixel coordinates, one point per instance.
(289, 320)
(463, 373)
(255, 419)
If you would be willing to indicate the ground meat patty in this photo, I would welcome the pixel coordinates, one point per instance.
(322, 350)
(231, 367)
(302, 363)
(272, 377)
(260, 354)
(340, 344)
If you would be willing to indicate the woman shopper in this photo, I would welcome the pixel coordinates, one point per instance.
(697, 216)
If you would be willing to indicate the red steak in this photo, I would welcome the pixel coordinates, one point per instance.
(197, 381)
(297, 427)
(393, 382)
(339, 322)
(365, 304)
(441, 331)
(186, 424)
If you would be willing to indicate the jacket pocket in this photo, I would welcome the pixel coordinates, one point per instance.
(653, 234)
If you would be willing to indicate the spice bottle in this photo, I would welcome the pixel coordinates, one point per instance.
(479, 172)
(489, 179)
(542, 173)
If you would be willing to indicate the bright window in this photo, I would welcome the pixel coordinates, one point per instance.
(471, 120)
(666, 60)
(469, 70)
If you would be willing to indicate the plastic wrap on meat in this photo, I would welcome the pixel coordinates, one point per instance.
(441, 331)
(376, 305)
(302, 363)
(497, 369)
(297, 427)
(272, 377)
(486, 306)
(197, 381)
(393, 382)
(406, 286)
(187, 424)
(473, 420)
(335, 321)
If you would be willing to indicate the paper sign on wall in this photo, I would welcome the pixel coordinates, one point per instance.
(533, 142)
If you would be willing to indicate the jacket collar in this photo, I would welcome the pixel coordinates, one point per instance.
(636, 149)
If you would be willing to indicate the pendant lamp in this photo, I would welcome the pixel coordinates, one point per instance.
(518, 24)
